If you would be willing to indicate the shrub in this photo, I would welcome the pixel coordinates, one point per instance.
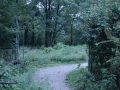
(26, 83)
(59, 46)
(7, 54)
(23, 77)
(82, 79)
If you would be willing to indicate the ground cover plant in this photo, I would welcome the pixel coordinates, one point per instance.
(59, 53)
(34, 58)
(82, 79)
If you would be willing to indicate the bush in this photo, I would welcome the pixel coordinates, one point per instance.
(59, 46)
(7, 54)
(25, 82)
(82, 79)
(23, 78)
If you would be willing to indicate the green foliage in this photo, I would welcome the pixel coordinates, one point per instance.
(59, 46)
(103, 41)
(7, 54)
(72, 53)
(82, 79)
(102, 19)
(59, 53)
(23, 76)
(1, 62)
(25, 82)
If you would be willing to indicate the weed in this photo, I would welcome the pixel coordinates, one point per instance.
(82, 79)
(36, 58)
(48, 55)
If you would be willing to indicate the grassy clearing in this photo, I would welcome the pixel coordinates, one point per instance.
(56, 55)
(42, 57)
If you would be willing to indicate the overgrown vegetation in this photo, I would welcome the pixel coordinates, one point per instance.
(39, 23)
(59, 53)
(103, 71)
(18, 79)
(82, 79)
(21, 74)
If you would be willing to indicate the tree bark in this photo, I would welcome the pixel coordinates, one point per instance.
(48, 18)
(17, 39)
(71, 34)
(33, 37)
(26, 36)
(55, 27)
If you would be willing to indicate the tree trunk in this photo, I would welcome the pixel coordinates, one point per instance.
(26, 36)
(48, 32)
(33, 39)
(90, 45)
(16, 40)
(17, 47)
(33, 36)
(71, 35)
(55, 27)
(47, 38)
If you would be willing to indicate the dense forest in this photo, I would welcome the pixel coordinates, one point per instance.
(38, 32)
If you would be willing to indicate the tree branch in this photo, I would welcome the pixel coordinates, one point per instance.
(63, 26)
(8, 82)
(66, 23)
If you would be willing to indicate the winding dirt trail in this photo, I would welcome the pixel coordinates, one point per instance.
(56, 75)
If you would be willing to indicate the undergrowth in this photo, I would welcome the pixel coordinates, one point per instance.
(58, 54)
(82, 79)
(35, 58)
(21, 77)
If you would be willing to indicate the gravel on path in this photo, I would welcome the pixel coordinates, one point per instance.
(56, 75)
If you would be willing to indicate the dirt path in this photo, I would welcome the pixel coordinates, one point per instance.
(56, 75)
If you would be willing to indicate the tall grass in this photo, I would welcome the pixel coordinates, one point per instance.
(59, 53)
(82, 79)
(36, 57)
(25, 82)
(23, 79)
(76, 79)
